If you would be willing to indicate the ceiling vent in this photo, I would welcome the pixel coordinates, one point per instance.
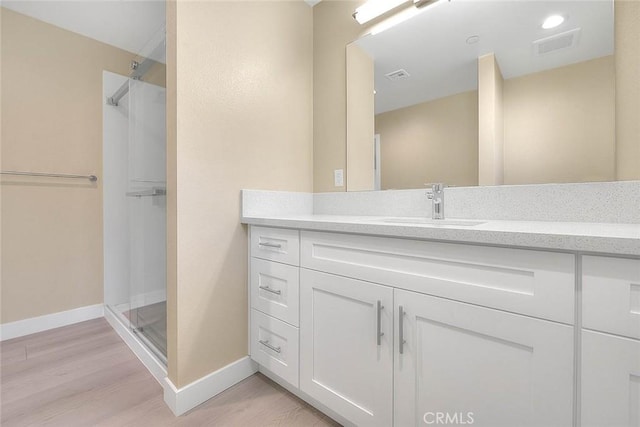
(397, 75)
(560, 41)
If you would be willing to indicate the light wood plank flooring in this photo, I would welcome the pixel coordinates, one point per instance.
(84, 375)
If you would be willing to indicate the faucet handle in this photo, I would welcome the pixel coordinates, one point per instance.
(437, 186)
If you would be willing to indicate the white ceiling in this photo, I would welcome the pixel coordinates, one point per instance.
(131, 25)
(432, 46)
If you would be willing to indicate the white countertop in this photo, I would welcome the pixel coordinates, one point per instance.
(619, 239)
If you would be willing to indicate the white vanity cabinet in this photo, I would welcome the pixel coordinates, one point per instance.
(475, 365)
(383, 331)
(610, 342)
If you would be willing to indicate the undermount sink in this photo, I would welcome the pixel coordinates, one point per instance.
(433, 222)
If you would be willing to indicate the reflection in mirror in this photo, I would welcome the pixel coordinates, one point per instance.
(479, 92)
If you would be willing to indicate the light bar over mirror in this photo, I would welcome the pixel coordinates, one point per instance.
(375, 8)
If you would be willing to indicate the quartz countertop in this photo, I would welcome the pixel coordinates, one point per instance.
(605, 238)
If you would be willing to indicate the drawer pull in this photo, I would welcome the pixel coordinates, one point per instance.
(379, 334)
(268, 289)
(270, 245)
(269, 346)
(401, 340)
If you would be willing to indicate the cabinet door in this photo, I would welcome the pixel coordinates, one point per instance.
(610, 380)
(473, 365)
(346, 346)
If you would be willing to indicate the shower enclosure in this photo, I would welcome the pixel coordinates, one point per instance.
(134, 196)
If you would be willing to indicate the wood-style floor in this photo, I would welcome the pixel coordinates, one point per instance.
(84, 375)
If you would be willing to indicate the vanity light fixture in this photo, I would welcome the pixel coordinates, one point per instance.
(375, 8)
(402, 15)
(552, 21)
(423, 3)
(394, 20)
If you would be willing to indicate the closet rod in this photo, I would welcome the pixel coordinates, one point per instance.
(91, 178)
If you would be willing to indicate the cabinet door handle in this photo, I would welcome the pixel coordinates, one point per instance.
(270, 245)
(401, 340)
(379, 333)
(268, 289)
(269, 346)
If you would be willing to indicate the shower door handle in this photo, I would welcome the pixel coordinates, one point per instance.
(156, 191)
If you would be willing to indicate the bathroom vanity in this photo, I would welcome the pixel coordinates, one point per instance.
(398, 321)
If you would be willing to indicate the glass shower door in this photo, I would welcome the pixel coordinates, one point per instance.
(146, 195)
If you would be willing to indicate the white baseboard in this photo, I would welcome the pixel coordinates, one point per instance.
(148, 359)
(50, 321)
(188, 397)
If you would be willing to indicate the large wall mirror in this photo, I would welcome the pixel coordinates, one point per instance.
(465, 86)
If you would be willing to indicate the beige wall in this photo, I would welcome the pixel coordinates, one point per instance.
(243, 119)
(410, 136)
(52, 122)
(360, 120)
(560, 124)
(491, 133)
(627, 89)
(333, 29)
(172, 195)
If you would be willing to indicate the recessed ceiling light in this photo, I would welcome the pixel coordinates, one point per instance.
(552, 21)
(473, 39)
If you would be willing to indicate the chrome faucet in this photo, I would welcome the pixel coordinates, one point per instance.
(436, 195)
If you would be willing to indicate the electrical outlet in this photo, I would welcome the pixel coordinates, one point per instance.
(338, 178)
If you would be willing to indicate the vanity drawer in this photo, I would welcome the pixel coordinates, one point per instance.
(611, 295)
(274, 345)
(274, 289)
(534, 283)
(276, 244)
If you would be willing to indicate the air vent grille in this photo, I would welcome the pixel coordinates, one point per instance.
(560, 41)
(397, 75)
